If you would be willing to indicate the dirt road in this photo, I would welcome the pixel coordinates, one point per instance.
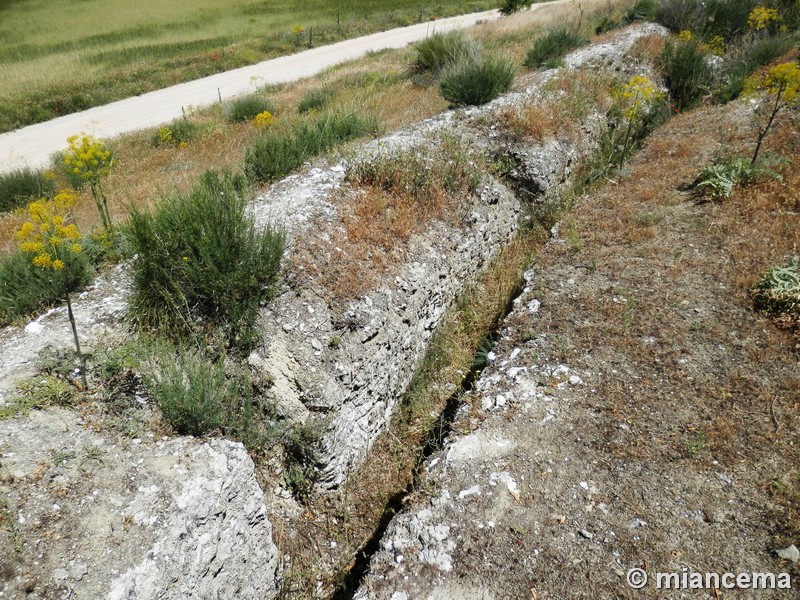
(33, 145)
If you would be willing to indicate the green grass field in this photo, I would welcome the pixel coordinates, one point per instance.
(61, 56)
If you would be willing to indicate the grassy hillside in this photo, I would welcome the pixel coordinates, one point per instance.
(61, 56)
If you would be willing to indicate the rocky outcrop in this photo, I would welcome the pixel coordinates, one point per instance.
(119, 518)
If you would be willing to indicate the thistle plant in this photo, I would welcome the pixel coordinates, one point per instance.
(779, 86)
(89, 159)
(636, 98)
(53, 243)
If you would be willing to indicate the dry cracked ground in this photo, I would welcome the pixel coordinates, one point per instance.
(635, 412)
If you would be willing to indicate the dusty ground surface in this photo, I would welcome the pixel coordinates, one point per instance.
(637, 412)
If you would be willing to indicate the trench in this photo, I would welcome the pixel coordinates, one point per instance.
(436, 435)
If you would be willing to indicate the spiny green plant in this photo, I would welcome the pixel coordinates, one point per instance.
(199, 260)
(476, 81)
(778, 291)
(719, 180)
(548, 49)
(245, 108)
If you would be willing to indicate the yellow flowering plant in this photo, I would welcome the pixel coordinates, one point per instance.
(88, 159)
(52, 242)
(635, 98)
(779, 87)
(763, 18)
(263, 120)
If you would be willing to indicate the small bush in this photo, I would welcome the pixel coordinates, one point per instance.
(199, 259)
(50, 391)
(512, 6)
(314, 100)
(19, 186)
(26, 289)
(275, 154)
(778, 292)
(476, 81)
(687, 74)
(440, 51)
(247, 107)
(548, 49)
(178, 133)
(191, 392)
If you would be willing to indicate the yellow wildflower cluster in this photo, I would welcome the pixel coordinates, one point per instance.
(298, 29)
(685, 36)
(782, 80)
(88, 158)
(761, 17)
(635, 96)
(263, 120)
(48, 234)
(715, 46)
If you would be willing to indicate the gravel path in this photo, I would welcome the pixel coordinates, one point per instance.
(33, 145)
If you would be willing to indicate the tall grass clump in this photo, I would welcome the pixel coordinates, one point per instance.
(687, 74)
(744, 57)
(277, 153)
(247, 107)
(314, 100)
(706, 18)
(476, 81)
(548, 49)
(200, 261)
(440, 51)
(19, 186)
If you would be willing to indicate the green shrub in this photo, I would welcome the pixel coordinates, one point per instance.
(744, 57)
(687, 74)
(778, 292)
(191, 392)
(314, 100)
(476, 81)
(275, 154)
(512, 6)
(548, 49)
(200, 260)
(19, 186)
(247, 107)
(179, 132)
(440, 51)
(25, 289)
